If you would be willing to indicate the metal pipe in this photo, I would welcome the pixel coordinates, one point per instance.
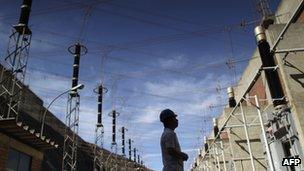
(237, 126)
(289, 50)
(247, 138)
(269, 157)
(231, 149)
(217, 159)
(223, 154)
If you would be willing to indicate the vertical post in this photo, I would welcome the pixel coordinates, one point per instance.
(130, 149)
(15, 63)
(138, 159)
(247, 137)
(223, 155)
(217, 158)
(113, 127)
(123, 141)
(134, 152)
(69, 160)
(99, 130)
(231, 149)
(270, 161)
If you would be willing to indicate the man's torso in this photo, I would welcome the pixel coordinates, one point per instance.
(169, 139)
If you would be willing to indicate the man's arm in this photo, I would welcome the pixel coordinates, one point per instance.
(177, 154)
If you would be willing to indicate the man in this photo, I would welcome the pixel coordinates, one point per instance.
(171, 152)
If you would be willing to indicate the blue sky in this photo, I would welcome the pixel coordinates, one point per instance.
(150, 54)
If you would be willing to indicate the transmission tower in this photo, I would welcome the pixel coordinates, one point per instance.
(134, 157)
(99, 130)
(123, 140)
(130, 149)
(263, 8)
(15, 63)
(69, 161)
(114, 114)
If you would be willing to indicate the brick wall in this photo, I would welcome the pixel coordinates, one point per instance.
(300, 19)
(259, 90)
(36, 164)
(3, 157)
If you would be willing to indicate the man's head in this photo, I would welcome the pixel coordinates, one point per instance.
(168, 118)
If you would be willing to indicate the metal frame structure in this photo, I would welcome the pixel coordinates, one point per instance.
(113, 161)
(69, 160)
(15, 62)
(99, 129)
(262, 117)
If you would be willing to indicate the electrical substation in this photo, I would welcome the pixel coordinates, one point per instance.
(250, 118)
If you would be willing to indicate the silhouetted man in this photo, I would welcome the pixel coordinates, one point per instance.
(171, 152)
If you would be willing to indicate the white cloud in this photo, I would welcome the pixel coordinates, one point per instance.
(173, 63)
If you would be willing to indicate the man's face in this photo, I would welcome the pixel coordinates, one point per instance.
(174, 122)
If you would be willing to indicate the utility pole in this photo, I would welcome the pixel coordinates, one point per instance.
(99, 130)
(69, 161)
(15, 63)
(123, 132)
(130, 149)
(114, 114)
(134, 152)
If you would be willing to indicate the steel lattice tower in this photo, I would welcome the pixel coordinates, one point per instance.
(69, 161)
(99, 130)
(114, 114)
(15, 63)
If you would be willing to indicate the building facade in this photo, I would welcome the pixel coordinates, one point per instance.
(256, 134)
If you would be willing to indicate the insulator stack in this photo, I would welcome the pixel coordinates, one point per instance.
(130, 149)
(76, 66)
(22, 26)
(25, 12)
(134, 153)
(138, 159)
(113, 127)
(272, 75)
(231, 100)
(215, 127)
(123, 141)
(99, 116)
(206, 144)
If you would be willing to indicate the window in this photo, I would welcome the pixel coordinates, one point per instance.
(18, 161)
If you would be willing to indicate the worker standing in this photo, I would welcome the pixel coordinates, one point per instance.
(172, 156)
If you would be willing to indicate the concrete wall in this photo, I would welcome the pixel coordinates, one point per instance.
(285, 10)
(236, 150)
(292, 71)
